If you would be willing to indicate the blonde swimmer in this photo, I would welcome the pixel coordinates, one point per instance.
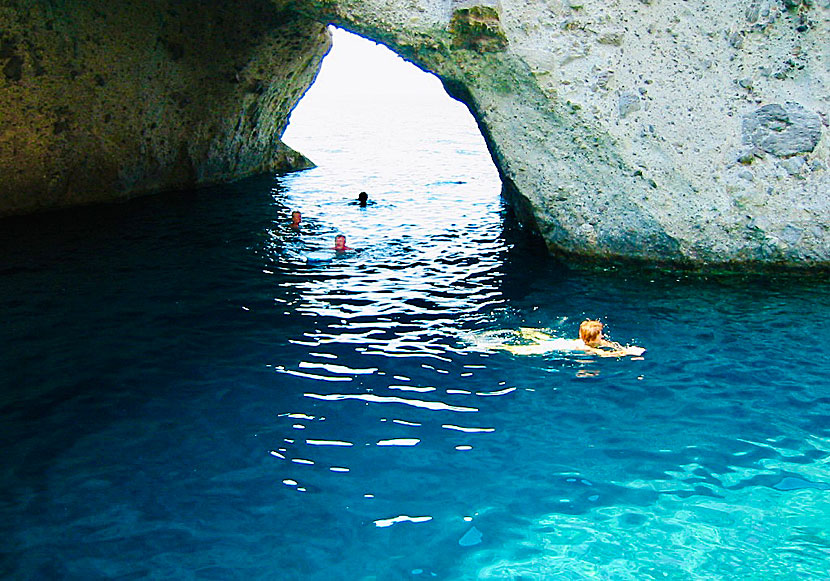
(590, 341)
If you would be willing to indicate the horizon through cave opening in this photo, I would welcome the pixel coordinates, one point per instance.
(374, 122)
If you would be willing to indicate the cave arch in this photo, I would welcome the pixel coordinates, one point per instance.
(364, 95)
(612, 143)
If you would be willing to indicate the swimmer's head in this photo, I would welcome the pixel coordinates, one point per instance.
(296, 217)
(590, 332)
(340, 242)
(362, 196)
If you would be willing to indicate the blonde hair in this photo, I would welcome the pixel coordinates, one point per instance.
(590, 331)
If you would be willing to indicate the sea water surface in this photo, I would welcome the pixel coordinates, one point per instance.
(184, 395)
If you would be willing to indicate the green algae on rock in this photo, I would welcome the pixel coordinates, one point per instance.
(477, 28)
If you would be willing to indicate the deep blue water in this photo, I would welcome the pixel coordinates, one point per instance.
(182, 396)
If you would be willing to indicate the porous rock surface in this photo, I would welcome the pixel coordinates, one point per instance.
(101, 100)
(660, 130)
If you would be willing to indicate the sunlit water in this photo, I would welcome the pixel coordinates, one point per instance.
(184, 396)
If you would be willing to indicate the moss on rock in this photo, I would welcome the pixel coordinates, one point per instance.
(477, 28)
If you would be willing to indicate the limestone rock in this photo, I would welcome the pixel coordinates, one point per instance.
(628, 103)
(103, 100)
(623, 130)
(794, 165)
(782, 130)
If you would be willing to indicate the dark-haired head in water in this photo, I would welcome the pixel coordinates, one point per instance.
(362, 198)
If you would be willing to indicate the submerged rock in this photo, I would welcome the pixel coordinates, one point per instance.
(471, 538)
(795, 483)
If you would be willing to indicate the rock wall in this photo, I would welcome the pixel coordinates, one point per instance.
(660, 130)
(693, 133)
(103, 100)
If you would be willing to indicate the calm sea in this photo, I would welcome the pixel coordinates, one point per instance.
(186, 392)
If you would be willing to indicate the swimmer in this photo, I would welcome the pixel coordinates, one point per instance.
(340, 244)
(362, 200)
(296, 217)
(590, 333)
(590, 341)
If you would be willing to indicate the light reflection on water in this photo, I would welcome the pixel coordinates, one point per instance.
(199, 401)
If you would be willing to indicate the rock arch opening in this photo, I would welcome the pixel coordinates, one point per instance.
(607, 146)
(378, 119)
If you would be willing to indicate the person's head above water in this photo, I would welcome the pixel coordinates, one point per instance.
(362, 198)
(340, 243)
(590, 332)
(296, 217)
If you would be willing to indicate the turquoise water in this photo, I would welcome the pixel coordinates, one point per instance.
(183, 396)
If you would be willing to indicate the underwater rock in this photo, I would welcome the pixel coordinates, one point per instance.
(472, 537)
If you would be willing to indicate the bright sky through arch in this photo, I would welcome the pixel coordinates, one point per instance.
(359, 68)
(370, 112)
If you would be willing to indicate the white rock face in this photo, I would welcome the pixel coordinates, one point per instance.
(690, 132)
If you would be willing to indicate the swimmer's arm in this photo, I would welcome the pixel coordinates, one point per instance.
(616, 350)
(621, 352)
(624, 350)
(605, 352)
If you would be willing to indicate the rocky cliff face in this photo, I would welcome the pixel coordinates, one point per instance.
(103, 100)
(659, 130)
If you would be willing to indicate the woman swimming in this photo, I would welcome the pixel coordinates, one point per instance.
(590, 340)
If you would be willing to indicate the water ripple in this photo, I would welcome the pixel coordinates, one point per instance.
(430, 405)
